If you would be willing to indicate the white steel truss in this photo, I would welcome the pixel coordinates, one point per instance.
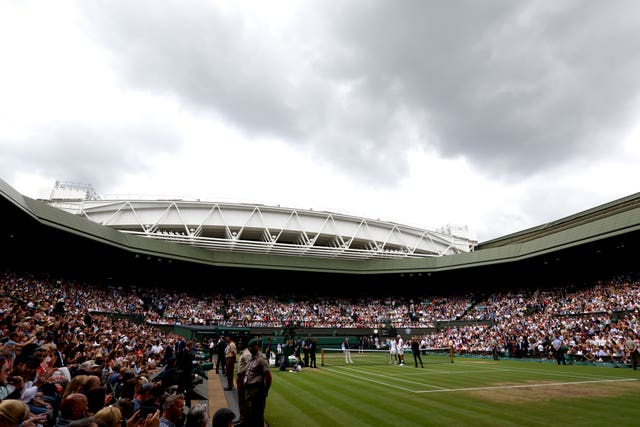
(266, 229)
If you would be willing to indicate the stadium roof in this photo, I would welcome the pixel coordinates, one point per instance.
(613, 224)
(273, 230)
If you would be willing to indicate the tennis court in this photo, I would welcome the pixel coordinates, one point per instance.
(470, 391)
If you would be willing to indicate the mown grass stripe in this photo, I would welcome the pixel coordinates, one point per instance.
(474, 393)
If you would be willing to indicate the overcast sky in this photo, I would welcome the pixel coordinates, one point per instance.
(497, 115)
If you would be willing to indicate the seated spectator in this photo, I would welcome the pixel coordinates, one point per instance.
(73, 407)
(602, 354)
(172, 411)
(129, 383)
(198, 416)
(13, 413)
(85, 422)
(109, 417)
(88, 367)
(25, 366)
(223, 417)
(75, 385)
(125, 406)
(145, 397)
(9, 391)
(97, 399)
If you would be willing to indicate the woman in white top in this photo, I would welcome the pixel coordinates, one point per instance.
(393, 351)
(400, 350)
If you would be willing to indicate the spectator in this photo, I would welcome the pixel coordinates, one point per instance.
(145, 397)
(198, 416)
(172, 411)
(126, 408)
(9, 391)
(73, 407)
(14, 413)
(85, 422)
(223, 417)
(109, 417)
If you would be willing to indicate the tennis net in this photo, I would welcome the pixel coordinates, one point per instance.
(338, 357)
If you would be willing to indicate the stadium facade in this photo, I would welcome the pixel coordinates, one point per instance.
(174, 239)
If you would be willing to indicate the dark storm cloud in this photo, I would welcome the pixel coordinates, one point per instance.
(516, 88)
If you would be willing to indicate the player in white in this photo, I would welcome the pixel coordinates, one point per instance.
(346, 349)
(393, 351)
(400, 350)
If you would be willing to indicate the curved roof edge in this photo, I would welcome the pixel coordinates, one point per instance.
(615, 207)
(605, 221)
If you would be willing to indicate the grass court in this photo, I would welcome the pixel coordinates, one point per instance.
(469, 392)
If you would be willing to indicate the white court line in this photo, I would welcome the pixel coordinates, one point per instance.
(361, 378)
(565, 373)
(524, 386)
(395, 378)
(437, 389)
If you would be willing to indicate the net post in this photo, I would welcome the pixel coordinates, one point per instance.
(322, 356)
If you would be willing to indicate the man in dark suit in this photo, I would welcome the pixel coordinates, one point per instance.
(220, 362)
(313, 347)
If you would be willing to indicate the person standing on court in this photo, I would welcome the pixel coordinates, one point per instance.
(268, 349)
(415, 350)
(556, 347)
(313, 348)
(493, 343)
(631, 347)
(257, 381)
(393, 351)
(400, 346)
(305, 351)
(230, 355)
(346, 350)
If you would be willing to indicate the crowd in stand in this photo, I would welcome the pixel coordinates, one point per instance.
(60, 340)
(67, 365)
